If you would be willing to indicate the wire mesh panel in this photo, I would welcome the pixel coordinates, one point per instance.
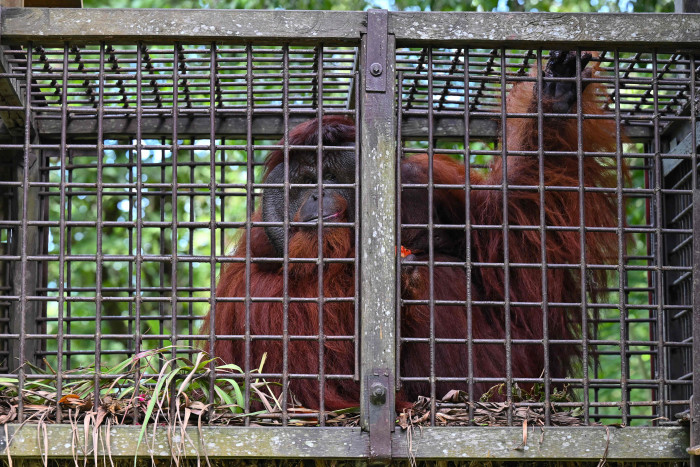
(183, 230)
(546, 250)
(7, 235)
(154, 164)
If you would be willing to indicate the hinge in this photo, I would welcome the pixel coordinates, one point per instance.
(375, 66)
(381, 415)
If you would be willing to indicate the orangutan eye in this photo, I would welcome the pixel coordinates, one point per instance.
(308, 179)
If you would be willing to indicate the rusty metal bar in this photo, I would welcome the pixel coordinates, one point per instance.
(431, 242)
(285, 247)
(505, 226)
(250, 176)
(319, 237)
(658, 245)
(695, 359)
(583, 270)
(546, 376)
(468, 232)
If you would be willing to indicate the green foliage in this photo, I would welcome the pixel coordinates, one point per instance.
(146, 383)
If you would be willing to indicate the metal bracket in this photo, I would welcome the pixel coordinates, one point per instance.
(381, 414)
(375, 66)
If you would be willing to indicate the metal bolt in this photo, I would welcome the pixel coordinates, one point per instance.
(377, 395)
(375, 69)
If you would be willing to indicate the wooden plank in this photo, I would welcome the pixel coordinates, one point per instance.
(550, 443)
(549, 30)
(557, 443)
(246, 442)
(48, 26)
(378, 236)
(454, 29)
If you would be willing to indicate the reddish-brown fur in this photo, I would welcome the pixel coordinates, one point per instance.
(524, 246)
(450, 283)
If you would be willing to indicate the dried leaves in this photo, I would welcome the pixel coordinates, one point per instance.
(453, 410)
(173, 385)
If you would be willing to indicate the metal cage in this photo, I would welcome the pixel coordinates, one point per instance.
(133, 174)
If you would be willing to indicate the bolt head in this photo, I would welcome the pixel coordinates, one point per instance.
(377, 394)
(375, 69)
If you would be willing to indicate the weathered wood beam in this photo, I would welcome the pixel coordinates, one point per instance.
(47, 25)
(550, 443)
(454, 29)
(549, 30)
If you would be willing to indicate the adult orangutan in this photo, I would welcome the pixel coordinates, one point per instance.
(518, 210)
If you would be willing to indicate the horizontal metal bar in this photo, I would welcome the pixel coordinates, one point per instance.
(552, 443)
(49, 25)
(46, 25)
(234, 126)
(414, 127)
(10, 95)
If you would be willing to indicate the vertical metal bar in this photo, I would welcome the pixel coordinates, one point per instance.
(174, 149)
(319, 191)
(378, 218)
(695, 399)
(505, 232)
(138, 219)
(468, 237)
(431, 244)
(621, 273)
(62, 232)
(658, 244)
(356, 225)
(212, 217)
(547, 378)
(399, 193)
(250, 156)
(134, 319)
(99, 233)
(161, 265)
(67, 329)
(192, 218)
(582, 237)
(24, 276)
(285, 246)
